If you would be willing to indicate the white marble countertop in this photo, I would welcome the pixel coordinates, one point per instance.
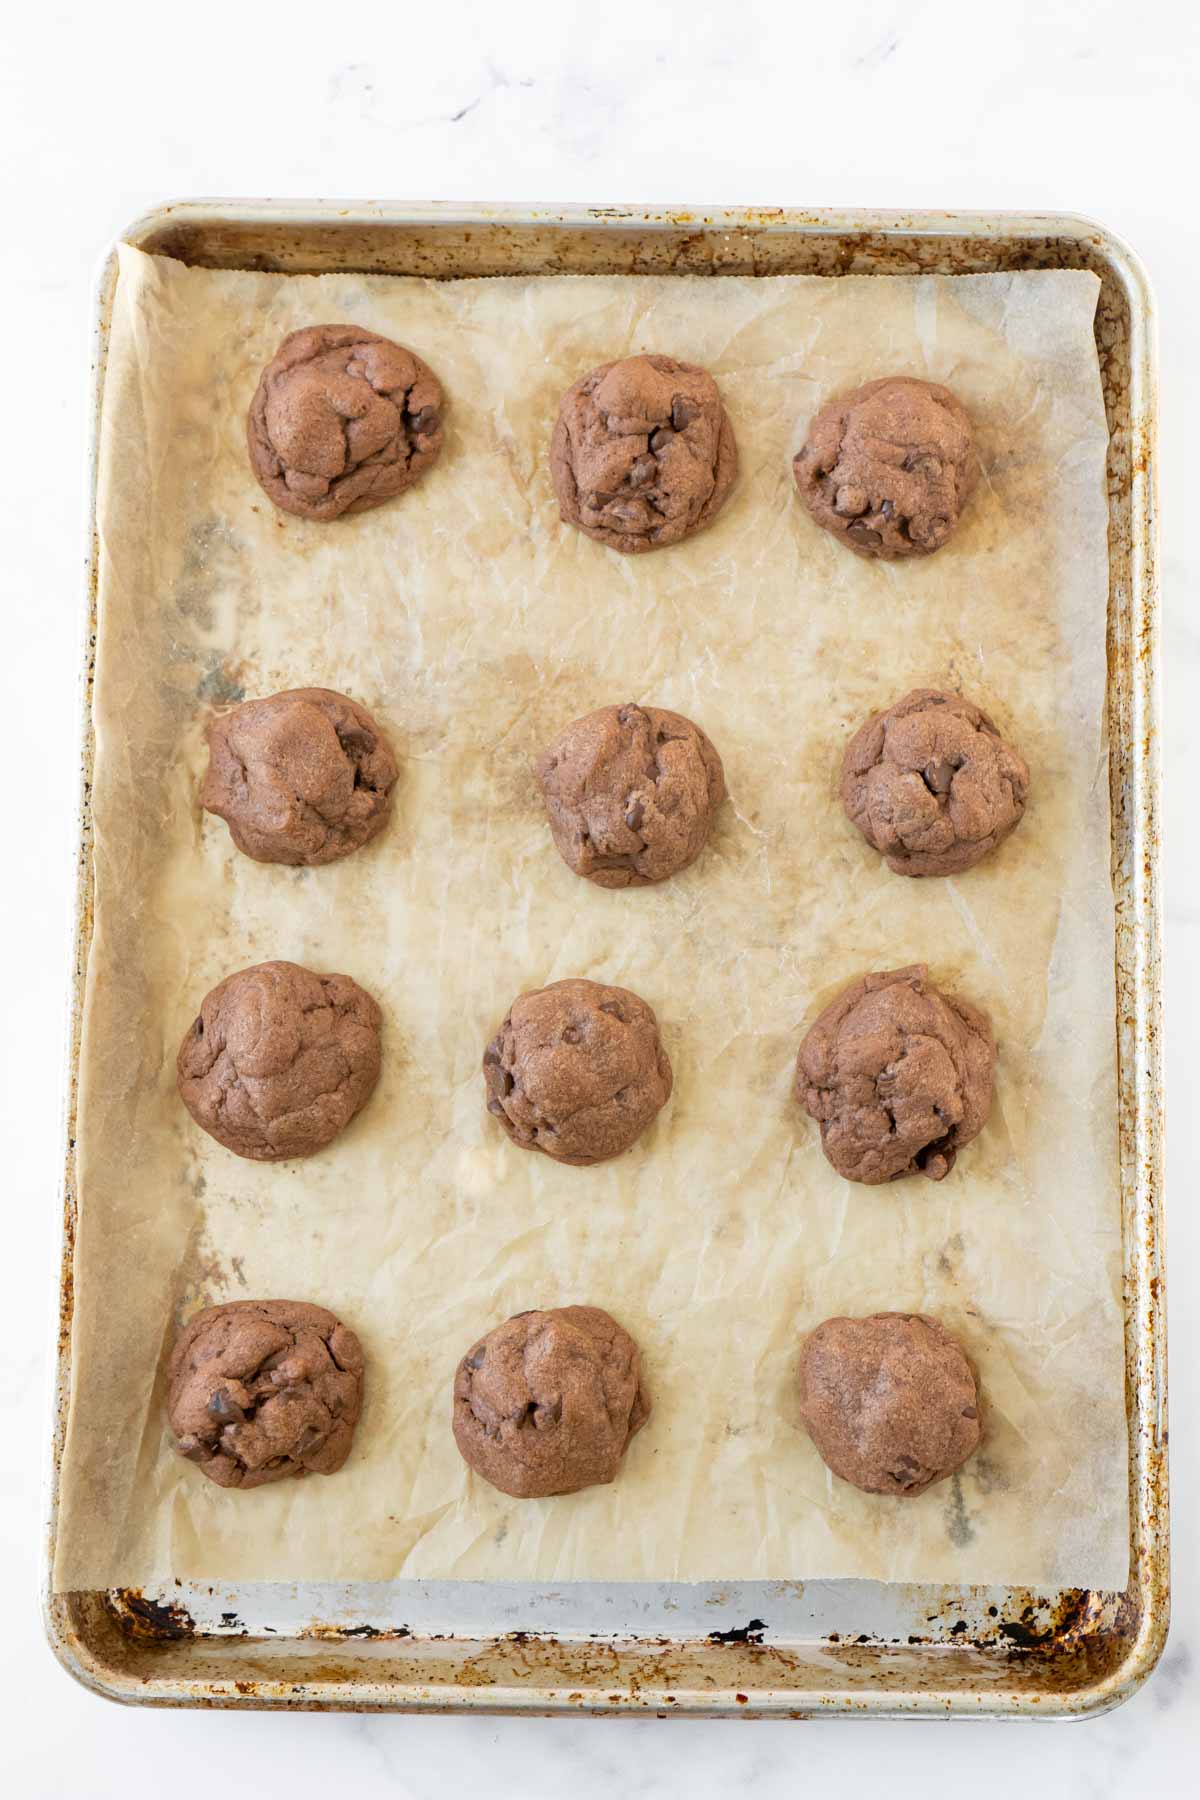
(905, 103)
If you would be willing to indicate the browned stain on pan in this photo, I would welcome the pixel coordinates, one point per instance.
(148, 1621)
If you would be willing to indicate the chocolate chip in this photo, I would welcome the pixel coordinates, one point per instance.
(938, 777)
(682, 412)
(476, 1358)
(635, 815)
(661, 438)
(644, 469)
(221, 1407)
(571, 1034)
(424, 423)
(864, 533)
(614, 1007)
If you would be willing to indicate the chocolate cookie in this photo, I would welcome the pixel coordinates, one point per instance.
(932, 785)
(643, 453)
(889, 1401)
(547, 1402)
(262, 1389)
(302, 777)
(577, 1070)
(279, 1060)
(898, 1075)
(341, 421)
(631, 793)
(889, 467)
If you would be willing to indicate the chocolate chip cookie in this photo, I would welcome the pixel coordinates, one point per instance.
(932, 785)
(888, 468)
(303, 777)
(577, 1070)
(889, 1401)
(260, 1390)
(643, 453)
(278, 1060)
(547, 1402)
(341, 421)
(631, 793)
(898, 1075)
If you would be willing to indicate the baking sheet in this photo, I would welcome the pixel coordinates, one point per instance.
(473, 623)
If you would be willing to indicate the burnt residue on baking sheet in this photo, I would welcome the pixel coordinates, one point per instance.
(148, 1621)
(1056, 1643)
(1041, 1625)
(750, 1633)
(331, 1634)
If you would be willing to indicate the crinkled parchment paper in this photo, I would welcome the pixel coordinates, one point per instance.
(474, 624)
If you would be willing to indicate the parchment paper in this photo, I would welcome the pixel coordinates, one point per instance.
(474, 624)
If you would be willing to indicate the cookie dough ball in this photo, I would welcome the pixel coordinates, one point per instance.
(278, 1060)
(889, 467)
(547, 1402)
(898, 1075)
(577, 1070)
(262, 1389)
(303, 777)
(631, 793)
(643, 453)
(932, 785)
(889, 1401)
(342, 420)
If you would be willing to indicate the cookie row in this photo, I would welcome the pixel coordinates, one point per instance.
(631, 792)
(547, 1402)
(642, 454)
(899, 1076)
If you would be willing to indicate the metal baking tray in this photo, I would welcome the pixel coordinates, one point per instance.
(792, 1649)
